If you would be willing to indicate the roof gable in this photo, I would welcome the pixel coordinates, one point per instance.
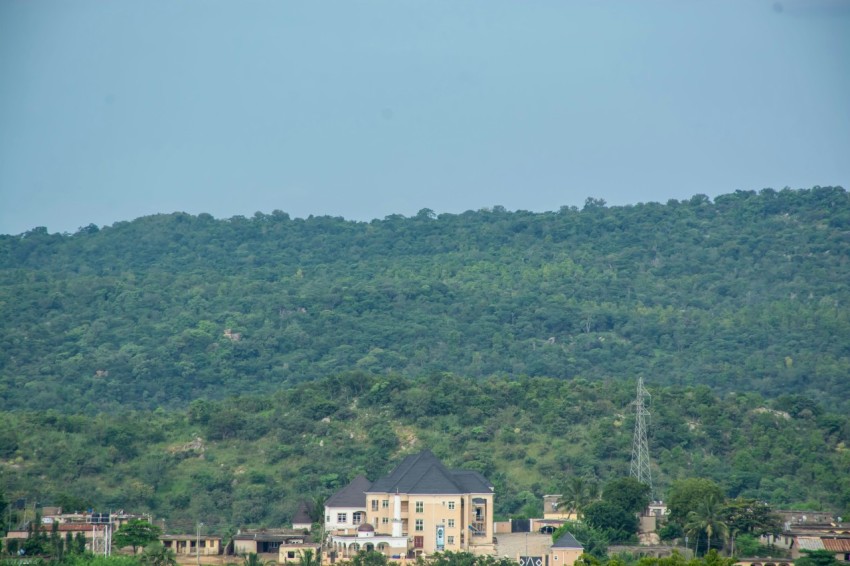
(302, 515)
(567, 540)
(352, 495)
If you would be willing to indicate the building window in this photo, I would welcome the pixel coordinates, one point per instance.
(450, 539)
(385, 520)
(420, 526)
(420, 506)
(374, 505)
(357, 517)
(451, 505)
(327, 518)
(341, 517)
(290, 554)
(385, 504)
(451, 523)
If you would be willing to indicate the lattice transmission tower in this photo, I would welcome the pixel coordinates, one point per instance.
(640, 469)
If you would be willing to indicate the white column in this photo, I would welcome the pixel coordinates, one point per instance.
(397, 515)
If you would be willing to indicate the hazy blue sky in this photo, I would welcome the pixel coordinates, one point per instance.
(111, 110)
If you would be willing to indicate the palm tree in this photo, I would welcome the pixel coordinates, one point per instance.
(157, 555)
(253, 559)
(307, 558)
(578, 493)
(707, 518)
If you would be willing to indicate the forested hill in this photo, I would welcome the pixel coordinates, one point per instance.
(746, 293)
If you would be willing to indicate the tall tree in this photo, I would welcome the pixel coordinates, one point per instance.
(708, 518)
(627, 493)
(576, 495)
(686, 496)
(135, 533)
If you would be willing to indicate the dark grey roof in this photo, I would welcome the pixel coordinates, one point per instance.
(302, 515)
(423, 473)
(472, 481)
(567, 540)
(352, 495)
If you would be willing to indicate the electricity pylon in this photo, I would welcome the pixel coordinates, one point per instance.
(640, 469)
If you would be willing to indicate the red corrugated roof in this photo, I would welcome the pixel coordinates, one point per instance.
(836, 544)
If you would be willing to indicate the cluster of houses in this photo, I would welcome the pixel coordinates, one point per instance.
(421, 508)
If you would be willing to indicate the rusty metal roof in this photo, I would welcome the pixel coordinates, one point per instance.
(837, 544)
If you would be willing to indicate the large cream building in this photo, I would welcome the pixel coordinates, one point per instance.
(428, 508)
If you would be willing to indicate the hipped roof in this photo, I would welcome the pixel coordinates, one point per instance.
(423, 473)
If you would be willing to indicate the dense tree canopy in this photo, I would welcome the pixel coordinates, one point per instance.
(745, 293)
(135, 533)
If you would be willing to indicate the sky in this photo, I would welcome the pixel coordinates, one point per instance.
(112, 110)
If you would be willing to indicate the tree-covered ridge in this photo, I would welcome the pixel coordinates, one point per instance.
(250, 460)
(744, 293)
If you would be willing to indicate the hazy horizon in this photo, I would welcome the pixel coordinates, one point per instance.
(113, 111)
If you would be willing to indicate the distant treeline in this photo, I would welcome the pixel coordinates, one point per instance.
(748, 292)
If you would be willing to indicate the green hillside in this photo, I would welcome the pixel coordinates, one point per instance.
(747, 293)
(249, 460)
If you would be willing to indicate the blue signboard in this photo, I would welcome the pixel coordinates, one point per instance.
(441, 538)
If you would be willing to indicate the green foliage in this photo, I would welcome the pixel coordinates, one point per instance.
(817, 558)
(747, 546)
(369, 558)
(309, 558)
(587, 560)
(686, 496)
(156, 554)
(594, 541)
(253, 559)
(712, 558)
(618, 524)
(707, 518)
(751, 516)
(671, 531)
(450, 558)
(135, 533)
(89, 559)
(744, 293)
(577, 493)
(627, 493)
(179, 473)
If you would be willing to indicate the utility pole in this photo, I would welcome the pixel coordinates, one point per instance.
(639, 468)
(198, 544)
